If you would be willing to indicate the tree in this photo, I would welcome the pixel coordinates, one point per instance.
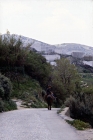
(13, 56)
(65, 79)
(37, 67)
(11, 51)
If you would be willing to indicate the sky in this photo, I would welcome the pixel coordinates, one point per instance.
(49, 21)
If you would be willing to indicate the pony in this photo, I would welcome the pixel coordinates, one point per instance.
(49, 99)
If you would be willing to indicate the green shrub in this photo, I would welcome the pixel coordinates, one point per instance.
(1, 105)
(65, 79)
(9, 105)
(39, 105)
(69, 101)
(81, 105)
(5, 87)
(29, 91)
(1, 91)
(88, 90)
(78, 124)
(13, 57)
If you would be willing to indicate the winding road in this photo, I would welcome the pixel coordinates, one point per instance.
(35, 124)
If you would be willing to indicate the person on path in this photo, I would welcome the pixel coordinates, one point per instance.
(48, 91)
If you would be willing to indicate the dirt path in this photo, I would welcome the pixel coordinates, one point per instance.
(35, 124)
(19, 104)
(85, 134)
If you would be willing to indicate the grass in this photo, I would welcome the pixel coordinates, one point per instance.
(29, 91)
(79, 125)
(87, 77)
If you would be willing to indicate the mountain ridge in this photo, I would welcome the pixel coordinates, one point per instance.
(54, 52)
(64, 48)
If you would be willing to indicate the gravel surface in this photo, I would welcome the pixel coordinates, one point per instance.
(35, 124)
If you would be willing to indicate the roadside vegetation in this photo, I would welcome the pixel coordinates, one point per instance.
(81, 102)
(6, 103)
(79, 125)
(65, 79)
(29, 91)
(27, 70)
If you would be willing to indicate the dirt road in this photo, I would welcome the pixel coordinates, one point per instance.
(35, 124)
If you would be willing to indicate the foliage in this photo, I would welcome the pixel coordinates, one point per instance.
(39, 104)
(7, 105)
(81, 105)
(87, 78)
(5, 87)
(16, 62)
(29, 91)
(13, 57)
(37, 67)
(1, 105)
(65, 79)
(5, 92)
(78, 124)
(11, 52)
(69, 101)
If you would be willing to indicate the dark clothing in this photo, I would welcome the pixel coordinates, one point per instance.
(48, 91)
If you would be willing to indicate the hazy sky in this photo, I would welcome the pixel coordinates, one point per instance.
(49, 21)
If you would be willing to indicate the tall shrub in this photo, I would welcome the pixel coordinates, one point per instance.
(65, 79)
(5, 87)
(81, 105)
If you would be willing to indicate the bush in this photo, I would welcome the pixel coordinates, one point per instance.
(78, 124)
(1, 105)
(65, 79)
(69, 101)
(5, 91)
(37, 67)
(59, 91)
(81, 105)
(9, 105)
(39, 105)
(5, 87)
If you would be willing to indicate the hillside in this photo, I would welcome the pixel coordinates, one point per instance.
(53, 52)
(68, 48)
(65, 48)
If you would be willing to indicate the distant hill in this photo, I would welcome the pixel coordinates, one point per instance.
(68, 48)
(65, 48)
(53, 52)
